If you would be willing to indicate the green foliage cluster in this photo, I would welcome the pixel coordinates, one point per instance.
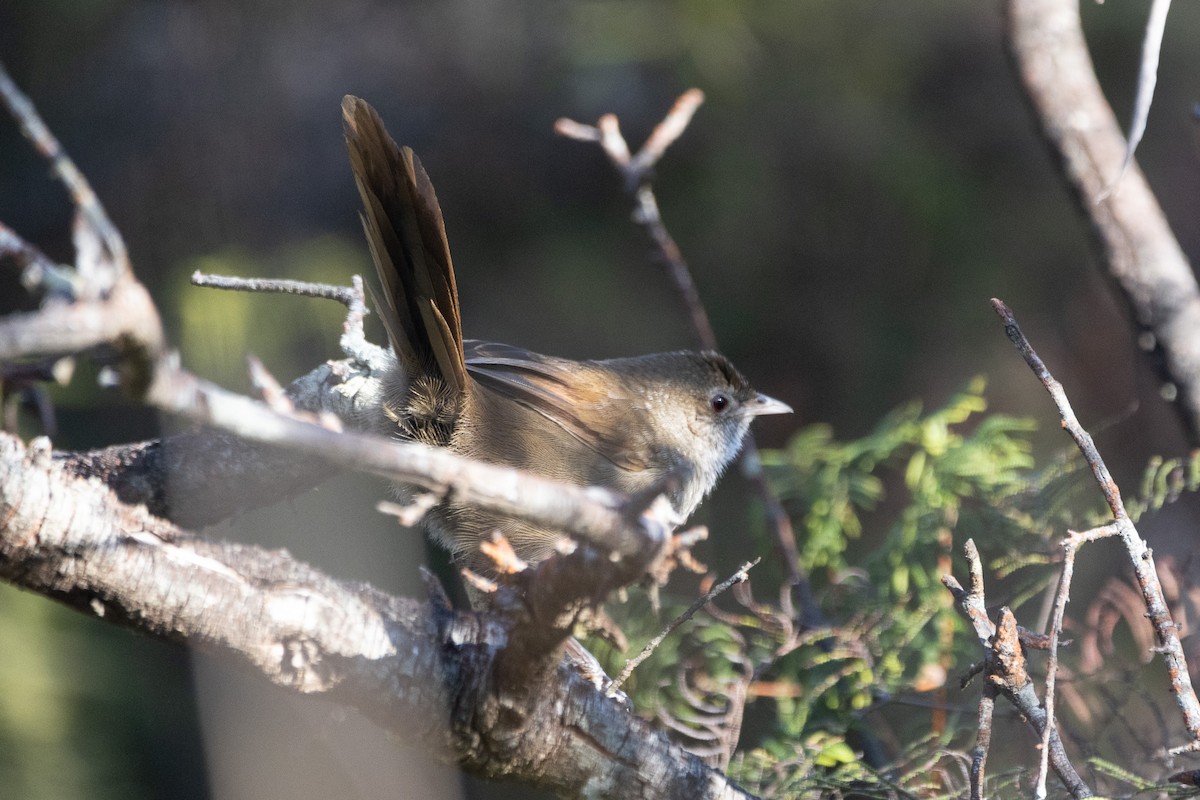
(878, 521)
(1163, 482)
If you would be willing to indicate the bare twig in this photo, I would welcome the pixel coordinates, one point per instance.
(1070, 546)
(342, 294)
(81, 191)
(409, 514)
(38, 270)
(112, 307)
(983, 741)
(1156, 25)
(632, 664)
(1083, 440)
(1005, 674)
(607, 132)
(637, 172)
(272, 392)
(667, 131)
(1140, 556)
(353, 341)
(354, 338)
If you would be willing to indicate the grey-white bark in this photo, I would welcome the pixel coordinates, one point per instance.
(468, 687)
(1137, 249)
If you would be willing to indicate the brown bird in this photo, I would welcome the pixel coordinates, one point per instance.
(623, 423)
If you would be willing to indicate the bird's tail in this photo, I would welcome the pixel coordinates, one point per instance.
(403, 223)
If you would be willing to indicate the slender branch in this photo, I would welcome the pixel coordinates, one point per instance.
(637, 171)
(1083, 440)
(983, 741)
(89, 206)
(342, 294)
(738, 577)
(36, 266)
(353, 341)
(666, 132)
(1156, 25)
(1071, 545)
(1140, 557)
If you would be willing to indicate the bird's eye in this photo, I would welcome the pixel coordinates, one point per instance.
(720, 402)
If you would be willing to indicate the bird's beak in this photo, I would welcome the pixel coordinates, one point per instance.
(766, 405)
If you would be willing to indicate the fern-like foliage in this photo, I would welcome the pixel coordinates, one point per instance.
(879, 520)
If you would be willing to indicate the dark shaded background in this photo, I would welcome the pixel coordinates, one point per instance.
(861, 179)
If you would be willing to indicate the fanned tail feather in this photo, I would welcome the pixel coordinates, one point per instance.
(403, 224)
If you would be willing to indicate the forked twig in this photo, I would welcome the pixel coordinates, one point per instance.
(1140, 556)
(637, 173)
(1070, 546)
(354, 340)
(81, 191)
(1005, 675)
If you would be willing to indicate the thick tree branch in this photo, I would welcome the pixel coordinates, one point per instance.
(426, 673)
(489, 691)
(1137, 249)
(201, 477)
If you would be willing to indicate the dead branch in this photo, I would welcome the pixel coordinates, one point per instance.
(433, 677)
(515, 710)
(738, 577)
(1140, 557)
(637, 172)
(94, 218)
(1005, 675)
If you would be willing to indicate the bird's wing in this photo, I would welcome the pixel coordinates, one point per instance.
(601, 419)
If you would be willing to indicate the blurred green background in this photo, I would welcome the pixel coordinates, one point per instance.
(861, 179)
